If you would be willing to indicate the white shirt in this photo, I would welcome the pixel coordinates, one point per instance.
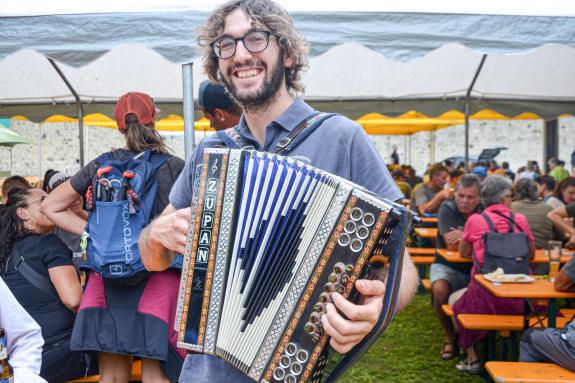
(24, 338)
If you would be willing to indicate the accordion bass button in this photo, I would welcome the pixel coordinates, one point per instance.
(349, 227)
(302, 356)
(324, 298)
(344, 279)
(349, 268)
(333, 278)
(329, 287)
(356, 214)
(340, 289)
(290, 379)
(314, 318)
(285, 361)
(279, 373)
(319, 308)
(295, 369)
(309, 328)
(339, 268)
(291, 349)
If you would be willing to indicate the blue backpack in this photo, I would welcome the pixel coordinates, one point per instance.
(121, 203)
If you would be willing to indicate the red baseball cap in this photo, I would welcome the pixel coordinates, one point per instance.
(137, 103)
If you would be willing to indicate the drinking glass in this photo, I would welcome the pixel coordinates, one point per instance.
(554, 251)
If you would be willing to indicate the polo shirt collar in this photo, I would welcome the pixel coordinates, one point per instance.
(288, 120)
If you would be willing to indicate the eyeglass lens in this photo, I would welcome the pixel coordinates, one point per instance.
(254, 41)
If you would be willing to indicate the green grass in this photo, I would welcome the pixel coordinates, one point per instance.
(409, 351)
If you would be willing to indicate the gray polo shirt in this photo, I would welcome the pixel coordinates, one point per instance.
(339, 146)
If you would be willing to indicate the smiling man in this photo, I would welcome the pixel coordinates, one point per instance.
(253, 48)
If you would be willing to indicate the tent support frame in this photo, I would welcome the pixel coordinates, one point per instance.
(468, 107)
(188, 105)
(78, 105)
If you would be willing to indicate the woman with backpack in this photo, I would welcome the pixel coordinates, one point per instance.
(482, 237)
(130, 313)
(38, 269)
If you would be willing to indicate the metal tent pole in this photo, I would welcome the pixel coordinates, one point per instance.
(188, 93)
(468, 106)
(78, 105)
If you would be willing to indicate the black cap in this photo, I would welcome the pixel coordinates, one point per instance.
(212, 96)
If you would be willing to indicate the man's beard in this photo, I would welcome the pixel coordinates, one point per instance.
(263, 97)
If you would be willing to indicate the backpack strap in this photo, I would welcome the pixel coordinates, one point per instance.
(41, 282)
(301, 132)
(157, 160)
(489, 222)
(511, 220)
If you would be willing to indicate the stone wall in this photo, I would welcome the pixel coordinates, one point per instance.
(56, 144)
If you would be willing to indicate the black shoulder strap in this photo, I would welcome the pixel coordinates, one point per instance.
(301, 132)
(233, 139)
(41, 282)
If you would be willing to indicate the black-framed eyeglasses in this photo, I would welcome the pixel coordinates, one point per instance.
(254, 41)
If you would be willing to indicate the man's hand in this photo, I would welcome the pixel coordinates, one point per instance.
(164, 237)
(346, 333)
(453, 236)
(571, 243)
(172, 230)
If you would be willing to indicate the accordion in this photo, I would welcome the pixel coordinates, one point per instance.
(270, 238)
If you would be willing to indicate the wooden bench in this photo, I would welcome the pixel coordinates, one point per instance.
(421, 251)
(422, 259)
(447, 310)
(517, 372)
(136, 375)
(426, 284)
(502, 322)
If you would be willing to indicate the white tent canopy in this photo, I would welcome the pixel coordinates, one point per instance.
(351, 74)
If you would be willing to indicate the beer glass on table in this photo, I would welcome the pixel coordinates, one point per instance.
(554, 251)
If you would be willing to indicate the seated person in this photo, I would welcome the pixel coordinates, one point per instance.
(560, 218)
(527, 203)
(553, 345)
(564, 193)
(45, 282)
(53, 179)
(12, 183)
(496, 198)
(397, 175)
(449, 277)
(427, 198)
(24, 338)
(545, 187)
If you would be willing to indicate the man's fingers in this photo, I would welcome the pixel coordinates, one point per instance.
(370, 287)
(357, 312)
(343, 330)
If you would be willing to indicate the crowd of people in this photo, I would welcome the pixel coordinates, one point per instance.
(94, 324)
(537, 207)
(101, 324)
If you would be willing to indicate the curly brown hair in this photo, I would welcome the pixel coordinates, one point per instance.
(264, 14)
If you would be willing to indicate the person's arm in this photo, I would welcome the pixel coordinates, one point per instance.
(65, 280)
(24, 338)
(563, 282)
(361, 318)
(452, 239)
(56, 205)
(433, 203)
(164, 237)
(557, 217)
(465, 249)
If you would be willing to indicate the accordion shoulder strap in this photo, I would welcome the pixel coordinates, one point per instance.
(301, 132)
(233, 140)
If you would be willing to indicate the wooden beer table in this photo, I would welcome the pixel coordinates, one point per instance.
(538, 289)
(426, 232)
(540, 256)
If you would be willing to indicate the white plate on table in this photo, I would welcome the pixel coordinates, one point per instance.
(509, 278)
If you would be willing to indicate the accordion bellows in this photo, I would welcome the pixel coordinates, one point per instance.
(270, 238)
